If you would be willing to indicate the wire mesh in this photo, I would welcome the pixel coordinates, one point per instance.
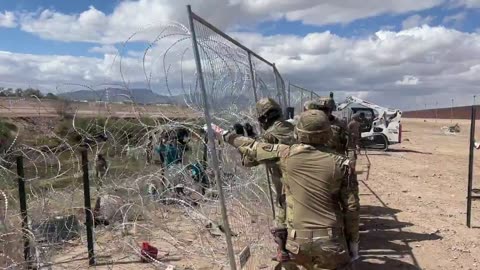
(297, 96)
(232, 95)
(137, 195)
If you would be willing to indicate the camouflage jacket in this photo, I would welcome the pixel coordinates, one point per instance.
(281, 132)
(340, 138)
(315, 180)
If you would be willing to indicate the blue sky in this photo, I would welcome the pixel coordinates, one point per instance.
(16, 40)
(90, 31)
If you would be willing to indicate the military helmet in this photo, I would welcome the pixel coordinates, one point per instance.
(312, 105)
(265, 105)
(313, 127)
(324, 102)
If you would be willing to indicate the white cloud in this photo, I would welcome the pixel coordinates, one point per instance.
(466, 3)
(7, 19)
(129, 17)
(106, 49)
(347, 11)
(126, 68)
(455, 19)
(388, 66)
(416, 20)
(408, 80)
(438, 61)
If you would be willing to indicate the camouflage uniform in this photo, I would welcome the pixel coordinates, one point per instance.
(314, 179)
(278, 132)
(338, 143)
(354, 131)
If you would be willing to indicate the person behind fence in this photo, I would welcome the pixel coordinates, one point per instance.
(149, 150)
(338, 143)
(315, 181)
(277, 130)
(101, 166)
(171, 152)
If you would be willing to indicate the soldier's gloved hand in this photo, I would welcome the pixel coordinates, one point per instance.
(354, 251)
(238, 128)
(249, 130)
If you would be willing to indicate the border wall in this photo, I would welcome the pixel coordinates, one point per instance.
(463, 112)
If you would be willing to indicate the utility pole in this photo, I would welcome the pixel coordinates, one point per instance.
(436, 111)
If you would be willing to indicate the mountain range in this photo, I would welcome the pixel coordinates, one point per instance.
(147, 96)
(138, 95)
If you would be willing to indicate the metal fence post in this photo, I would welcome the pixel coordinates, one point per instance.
(88, 208)
(280, 88)
(211, 142)
(289, 95)
(23, 210)
(470, 167)
(301, 99)
(252, 76)
(254, 87)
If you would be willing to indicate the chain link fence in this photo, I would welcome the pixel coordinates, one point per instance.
(297, 96)
(200, 210)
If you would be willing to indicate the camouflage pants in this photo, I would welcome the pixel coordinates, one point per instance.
(352, 211)
(328, 252)
(280, 204)
(280, 216)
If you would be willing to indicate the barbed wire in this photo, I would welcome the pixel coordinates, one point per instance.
(170, 206)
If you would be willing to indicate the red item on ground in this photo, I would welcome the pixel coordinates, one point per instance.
(148, 252)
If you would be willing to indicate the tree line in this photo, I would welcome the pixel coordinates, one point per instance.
(25, 93)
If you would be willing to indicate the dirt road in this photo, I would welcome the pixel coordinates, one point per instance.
(413, 204)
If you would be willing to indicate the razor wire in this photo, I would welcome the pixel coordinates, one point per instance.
(171, 206)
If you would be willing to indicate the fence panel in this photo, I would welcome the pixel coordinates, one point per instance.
(232, 95)
(137, 194)
(297, 96)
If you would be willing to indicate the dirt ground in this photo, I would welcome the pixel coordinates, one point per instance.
(414, 206)
(16, 107)
(413, 213)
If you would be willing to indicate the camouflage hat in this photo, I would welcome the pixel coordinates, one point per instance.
(265, 105)
(313, 127)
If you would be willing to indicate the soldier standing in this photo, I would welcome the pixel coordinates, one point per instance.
(277, 131)
(355, 135)
(339, 143)
(331, 102)
(315, 183)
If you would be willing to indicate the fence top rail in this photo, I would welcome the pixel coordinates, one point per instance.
(229, 38)
(304, 89)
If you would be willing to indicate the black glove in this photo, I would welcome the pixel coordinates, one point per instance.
(238, 128)
(250, 130)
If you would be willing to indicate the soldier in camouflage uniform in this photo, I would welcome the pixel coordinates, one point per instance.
(339, 143)
(315, 183)
(277, 131)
